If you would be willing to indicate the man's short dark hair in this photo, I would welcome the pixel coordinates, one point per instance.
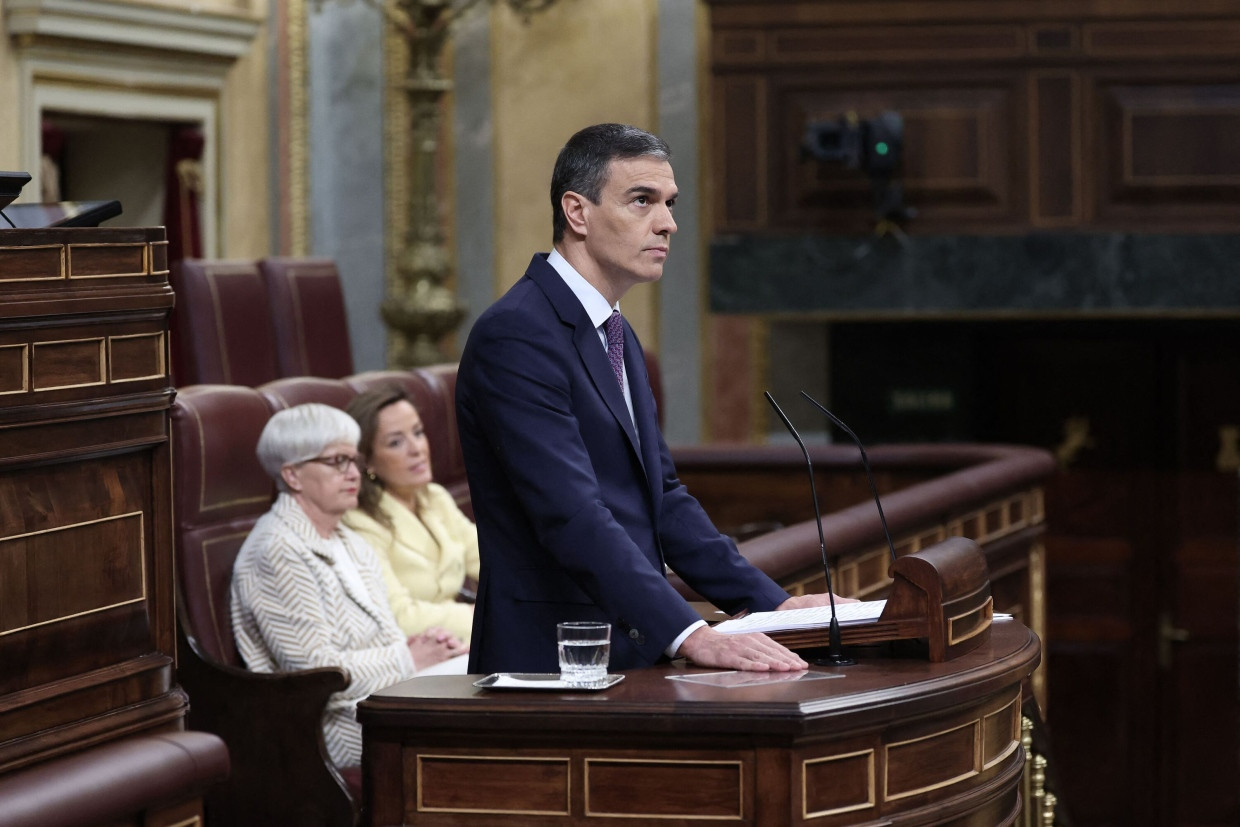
(582, 164)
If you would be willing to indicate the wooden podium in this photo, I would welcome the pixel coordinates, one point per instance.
(887, 741)
(91, 718)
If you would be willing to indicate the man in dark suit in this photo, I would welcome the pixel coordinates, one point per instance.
(578, 507)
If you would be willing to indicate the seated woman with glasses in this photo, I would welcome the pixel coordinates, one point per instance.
(427, 546)
(306, 591)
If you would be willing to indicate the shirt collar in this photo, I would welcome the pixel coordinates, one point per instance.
(591, 299)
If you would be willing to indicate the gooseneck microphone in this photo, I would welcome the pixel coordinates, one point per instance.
(835, 653)
(865, 463)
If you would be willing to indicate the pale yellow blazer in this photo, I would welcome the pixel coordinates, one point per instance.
(424, 561)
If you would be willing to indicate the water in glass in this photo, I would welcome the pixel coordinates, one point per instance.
(585, 649)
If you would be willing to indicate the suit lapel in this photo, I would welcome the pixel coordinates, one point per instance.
(586, 341)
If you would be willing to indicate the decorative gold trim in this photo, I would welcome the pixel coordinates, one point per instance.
(566, 761)
(141, 247)
(1014, 736)
(1130, 178)
(396, 134)
(870, 775)
(987, 612)
(59, 247)
(1039, 800)
(141, 562)
(1076, 153)
(975, 725)
(102, 356)
(1037, 616)
(986, 524)
(151, 245)
(160, 351)
(740, 767)
(298, 130)
(25, 359)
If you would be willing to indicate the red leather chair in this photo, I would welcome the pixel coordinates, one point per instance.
(281, 773)
(298, 390)
(221, 326)
(308, 316)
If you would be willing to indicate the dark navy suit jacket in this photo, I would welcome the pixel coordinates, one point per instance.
(577, 512)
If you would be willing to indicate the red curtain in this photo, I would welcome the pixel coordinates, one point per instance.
(182, 190)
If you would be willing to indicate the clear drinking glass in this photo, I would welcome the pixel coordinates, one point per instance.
(585, 648)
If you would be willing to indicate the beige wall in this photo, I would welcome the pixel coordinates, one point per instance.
(241, 139)
(10, 127)
(581, 62)
(245, 192)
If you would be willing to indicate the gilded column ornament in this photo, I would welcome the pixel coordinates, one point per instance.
(298, 153)
(420, 307)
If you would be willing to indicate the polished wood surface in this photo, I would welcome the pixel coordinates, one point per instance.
(939, 595)
(86, 605)
(87, 622)
(990, 493)
(892, 740)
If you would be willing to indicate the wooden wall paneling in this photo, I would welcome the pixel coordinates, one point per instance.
(741, 152)
(1055, 167)
(963, 149)
(1100, 107)
(1159, 39)
(1166, 153)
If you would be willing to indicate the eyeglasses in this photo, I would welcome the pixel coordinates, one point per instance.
(340, 462)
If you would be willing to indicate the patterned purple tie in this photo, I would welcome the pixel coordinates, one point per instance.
(615, 345)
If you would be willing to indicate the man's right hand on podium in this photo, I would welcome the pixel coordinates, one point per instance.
(751, 652)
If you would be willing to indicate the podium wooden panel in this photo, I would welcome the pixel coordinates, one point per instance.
(87, 620)
(893, 741)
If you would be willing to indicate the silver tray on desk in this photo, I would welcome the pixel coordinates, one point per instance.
(539, 681)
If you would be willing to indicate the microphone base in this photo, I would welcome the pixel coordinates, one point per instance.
(833, 660)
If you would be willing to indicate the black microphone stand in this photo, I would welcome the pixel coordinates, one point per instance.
(835, 653)
(865, 463)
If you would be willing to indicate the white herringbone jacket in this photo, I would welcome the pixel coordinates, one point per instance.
(293, 608)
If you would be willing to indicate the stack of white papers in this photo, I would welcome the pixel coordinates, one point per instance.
(811, 618)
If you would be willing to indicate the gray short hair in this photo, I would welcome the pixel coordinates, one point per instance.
(300, 433)
(583, 164)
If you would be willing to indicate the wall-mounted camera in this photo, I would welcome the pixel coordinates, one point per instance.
(875, 146)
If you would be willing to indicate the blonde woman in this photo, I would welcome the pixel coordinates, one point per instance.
(427, 546)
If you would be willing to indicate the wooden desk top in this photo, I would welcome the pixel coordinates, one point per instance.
(865, 696)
